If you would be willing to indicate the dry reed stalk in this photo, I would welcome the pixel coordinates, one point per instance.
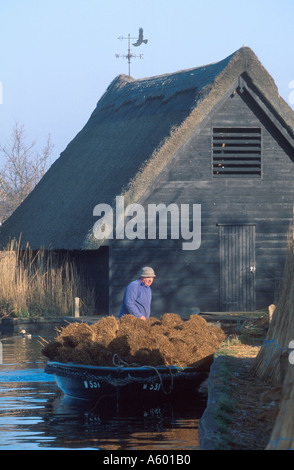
(38, 284)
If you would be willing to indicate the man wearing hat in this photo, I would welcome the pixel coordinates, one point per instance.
(137, 297)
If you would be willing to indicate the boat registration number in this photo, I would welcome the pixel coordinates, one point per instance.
(154, 387)
(91, 384)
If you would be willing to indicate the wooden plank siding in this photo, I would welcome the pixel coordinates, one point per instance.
(191, 279)
(237, 267)
(93, 268)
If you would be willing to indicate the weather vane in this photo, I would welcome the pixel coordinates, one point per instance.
(139, 40)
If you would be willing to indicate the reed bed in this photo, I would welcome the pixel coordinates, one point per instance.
(38, 283)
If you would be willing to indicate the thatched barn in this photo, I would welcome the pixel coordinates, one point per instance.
(217, 138)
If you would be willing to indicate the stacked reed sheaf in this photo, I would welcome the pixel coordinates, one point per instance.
(272, 363)
(165, 341)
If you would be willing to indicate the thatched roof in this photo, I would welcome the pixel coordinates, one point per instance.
(133, 134)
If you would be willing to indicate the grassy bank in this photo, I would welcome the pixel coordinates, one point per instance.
(233, 372)
(38, 284)
(246, 408)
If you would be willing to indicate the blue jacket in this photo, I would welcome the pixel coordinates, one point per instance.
(137, 300)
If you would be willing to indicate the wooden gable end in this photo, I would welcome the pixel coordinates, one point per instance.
(244, 224)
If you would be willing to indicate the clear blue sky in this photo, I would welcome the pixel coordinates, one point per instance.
(57, 57)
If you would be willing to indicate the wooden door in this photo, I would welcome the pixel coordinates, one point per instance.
(237, 267)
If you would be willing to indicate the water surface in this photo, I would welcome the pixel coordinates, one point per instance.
(35, 415)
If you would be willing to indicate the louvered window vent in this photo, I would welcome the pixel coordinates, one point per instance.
(236, 152)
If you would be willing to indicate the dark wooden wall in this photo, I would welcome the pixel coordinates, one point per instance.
(190, 279)
(93, 268)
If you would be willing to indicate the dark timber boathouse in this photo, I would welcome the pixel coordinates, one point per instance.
(219, 136)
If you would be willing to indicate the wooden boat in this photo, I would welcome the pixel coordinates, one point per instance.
(92, 382)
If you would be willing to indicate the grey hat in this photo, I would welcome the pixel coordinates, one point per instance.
(147, 272)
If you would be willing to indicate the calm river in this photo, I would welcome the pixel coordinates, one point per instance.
(35, 415)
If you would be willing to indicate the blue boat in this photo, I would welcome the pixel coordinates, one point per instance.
(88, 382)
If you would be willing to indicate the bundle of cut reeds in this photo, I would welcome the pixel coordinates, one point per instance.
(282, 437)
(273, 363)
(154, 342)
(267, 364)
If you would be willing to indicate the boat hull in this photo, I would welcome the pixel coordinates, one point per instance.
(93, 382)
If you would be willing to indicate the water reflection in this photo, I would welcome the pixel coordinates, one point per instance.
(34, 414)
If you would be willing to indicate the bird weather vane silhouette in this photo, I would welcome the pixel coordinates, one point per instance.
(139, 41)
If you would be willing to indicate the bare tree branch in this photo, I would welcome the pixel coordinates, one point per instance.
(24, 166)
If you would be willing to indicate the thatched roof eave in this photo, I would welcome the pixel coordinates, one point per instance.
(243, 62)
(132, 137)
